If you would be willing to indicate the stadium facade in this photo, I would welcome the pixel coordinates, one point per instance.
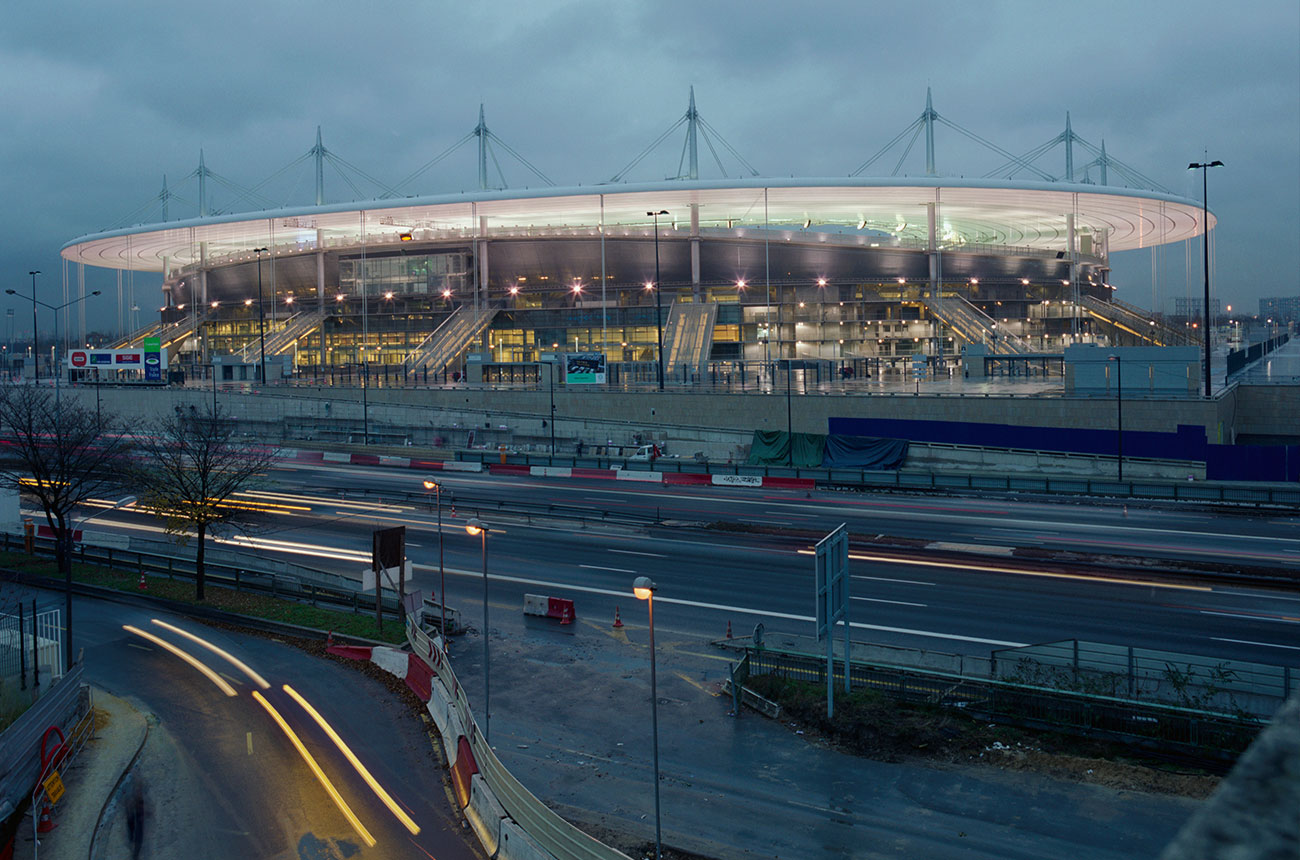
(725, 272)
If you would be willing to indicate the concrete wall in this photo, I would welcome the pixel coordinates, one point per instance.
(718, 425)
(1268, 410)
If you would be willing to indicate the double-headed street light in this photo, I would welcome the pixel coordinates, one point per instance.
(430, 484)
(475, 526)
(1204, 167)
(261, 314)
(58, 374)
(659, 322)
(644, 589)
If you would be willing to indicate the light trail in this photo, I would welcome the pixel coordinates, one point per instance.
(378, 789)
(988, 568)
(315, 769)
(225, 655)
(212, 676)
(315, 550)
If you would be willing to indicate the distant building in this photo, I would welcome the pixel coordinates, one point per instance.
(1190, 308)
(1280, 308)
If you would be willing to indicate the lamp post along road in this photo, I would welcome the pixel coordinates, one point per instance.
(261, 316)
(644, 589)
(1119, 411)
(1204, 167)
(58, 373)
(36, 353)
(476, 527)
(442, 572)
(659, 322)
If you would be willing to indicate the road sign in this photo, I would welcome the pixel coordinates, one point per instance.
(53, 787)
(832, 570)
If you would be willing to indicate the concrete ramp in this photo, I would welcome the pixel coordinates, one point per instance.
(1129, 322)
(974, 326)
(450, 339)
(688, 335)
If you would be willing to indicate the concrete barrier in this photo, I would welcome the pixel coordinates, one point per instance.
(648, 477)
(736, 480)
(458, 466)
(550, 471)
(390, 660)
(398, 462)
(336, 457)
(604, 474)
(516, 844)
(437, 708)
(484, 813)
(463, 771)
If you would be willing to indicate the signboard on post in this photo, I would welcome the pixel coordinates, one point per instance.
(152, 359)
(832, 587)
(388, 551)
(584, 368)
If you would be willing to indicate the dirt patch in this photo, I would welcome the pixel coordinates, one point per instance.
(875, 726)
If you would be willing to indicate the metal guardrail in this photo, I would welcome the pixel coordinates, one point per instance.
(1187, 732)
(331, 589)
(552, 833)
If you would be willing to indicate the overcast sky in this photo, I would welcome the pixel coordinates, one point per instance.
(100, 100)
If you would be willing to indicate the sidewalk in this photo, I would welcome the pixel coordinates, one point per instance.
(90, 782)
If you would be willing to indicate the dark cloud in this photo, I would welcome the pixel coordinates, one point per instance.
(101, 100)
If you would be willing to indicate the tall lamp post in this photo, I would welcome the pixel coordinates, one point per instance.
(659, 322)
(1204, 167)
(261, 316)
(430, 484)
(36, 352)
(58, 374)
(476, 527)
(1119, 411)
(644, 589)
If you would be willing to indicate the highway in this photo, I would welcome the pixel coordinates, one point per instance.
(712, 576)
(569, 706)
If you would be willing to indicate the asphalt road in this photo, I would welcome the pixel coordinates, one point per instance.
(230, 773)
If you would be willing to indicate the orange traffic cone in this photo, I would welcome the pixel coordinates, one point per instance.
(142, 586)
(45, 824)
(728, 628)
(618, 621)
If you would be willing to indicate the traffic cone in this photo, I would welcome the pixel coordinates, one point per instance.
(142, 586)
(729, 628)
(618, 621)
(45, 824)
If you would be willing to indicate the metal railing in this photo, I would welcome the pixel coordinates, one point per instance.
(320, 587)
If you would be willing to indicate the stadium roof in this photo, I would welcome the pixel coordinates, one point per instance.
(972, 212)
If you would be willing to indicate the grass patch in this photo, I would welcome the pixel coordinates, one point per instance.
(257, 605)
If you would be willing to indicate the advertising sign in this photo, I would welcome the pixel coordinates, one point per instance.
(126, 358)
(152, 359)
(584, 368)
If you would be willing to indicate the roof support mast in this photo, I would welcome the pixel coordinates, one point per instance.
(319, 152)
(930, 116)
(692, 122)
(1069, 151)
(203, 187)
(481, 131)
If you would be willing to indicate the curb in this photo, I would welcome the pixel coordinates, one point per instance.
(202, 612)
(117, 787)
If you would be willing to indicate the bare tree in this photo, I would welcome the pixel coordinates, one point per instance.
(56, 453)
(190, 470)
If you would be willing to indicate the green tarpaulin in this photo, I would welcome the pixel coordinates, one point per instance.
(773, 448)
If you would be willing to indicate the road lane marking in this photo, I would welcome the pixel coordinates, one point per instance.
(1259, 595)
(882, 600)
(1280, 619)
(696, 684)
(1260, 644)
(248, 736)
(611, 569)
(887, 579)
(634, 552)
(788, 616)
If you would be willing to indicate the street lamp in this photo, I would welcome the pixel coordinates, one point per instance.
(56, 308)
(475, 526)
(1204, 167)
(430, 484)
(659, 323)
(644, 589)
(261, 314)
(36, 352)
(1119, 411)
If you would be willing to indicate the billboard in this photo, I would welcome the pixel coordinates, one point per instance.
(584, 368)
(152, 359)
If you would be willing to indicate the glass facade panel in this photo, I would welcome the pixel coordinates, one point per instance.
(405, 275)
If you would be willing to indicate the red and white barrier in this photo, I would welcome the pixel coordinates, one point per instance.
(559, 608)
(647, 477)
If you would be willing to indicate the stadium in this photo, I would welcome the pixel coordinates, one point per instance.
(857, 275)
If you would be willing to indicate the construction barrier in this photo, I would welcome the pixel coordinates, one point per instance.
(647, 477)
(463, 771)
(559, 608)
(484, 814)
(458, 466)
(550, 471)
